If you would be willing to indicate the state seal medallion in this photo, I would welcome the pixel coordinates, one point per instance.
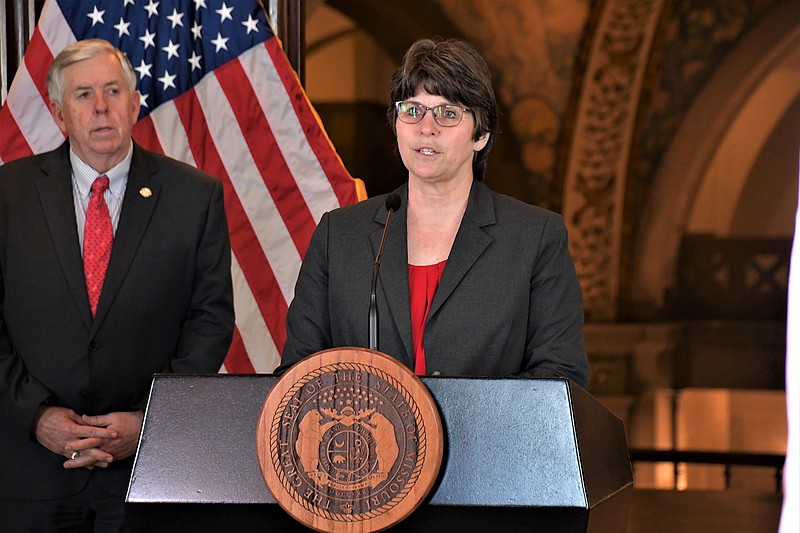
(349, 440)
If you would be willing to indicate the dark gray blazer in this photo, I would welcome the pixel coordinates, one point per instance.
(508, 303)
(166, 305)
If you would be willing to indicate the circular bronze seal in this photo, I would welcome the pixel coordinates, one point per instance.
(349, 440)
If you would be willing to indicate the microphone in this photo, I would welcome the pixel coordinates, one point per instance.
(392, 204)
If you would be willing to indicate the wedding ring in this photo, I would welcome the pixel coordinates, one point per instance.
(75, 455)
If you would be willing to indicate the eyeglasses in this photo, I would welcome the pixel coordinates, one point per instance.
(447, 115)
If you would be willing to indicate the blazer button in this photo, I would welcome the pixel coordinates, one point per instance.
(84, 394)
(93, 346)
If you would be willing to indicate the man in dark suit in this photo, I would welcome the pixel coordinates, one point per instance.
(75, 367)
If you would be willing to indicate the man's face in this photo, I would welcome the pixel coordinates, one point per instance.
(98, 112)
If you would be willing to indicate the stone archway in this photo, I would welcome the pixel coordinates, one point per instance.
(597, 169)
(696, 146)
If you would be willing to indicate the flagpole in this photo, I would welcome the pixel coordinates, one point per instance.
(291, 28)
(12, 46)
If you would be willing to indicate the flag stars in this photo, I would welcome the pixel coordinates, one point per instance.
(144, 70)
(195, 61)
(168, 80)
(220, 42)
(149, 39)
(152, 8)
(185, 58)
(197, 30)
(224, 13)
(122, 27)
(171, 49)
(97, 16)
(176, 18)
(251, 24)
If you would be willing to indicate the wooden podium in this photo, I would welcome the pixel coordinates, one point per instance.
(519, 455)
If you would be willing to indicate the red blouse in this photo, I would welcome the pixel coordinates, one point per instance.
(422, 284)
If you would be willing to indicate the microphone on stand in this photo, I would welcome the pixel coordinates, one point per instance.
(392, 204)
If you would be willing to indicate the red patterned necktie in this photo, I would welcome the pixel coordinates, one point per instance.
(98, 236)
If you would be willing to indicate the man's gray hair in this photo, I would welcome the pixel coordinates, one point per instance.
(80, 51)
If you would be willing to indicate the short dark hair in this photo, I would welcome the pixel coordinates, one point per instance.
(454, 70)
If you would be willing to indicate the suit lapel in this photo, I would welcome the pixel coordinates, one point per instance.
(393, 276)
(469, 245)
(137, 208)
(55, 193)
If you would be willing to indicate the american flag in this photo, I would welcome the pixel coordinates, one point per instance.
(217, 93)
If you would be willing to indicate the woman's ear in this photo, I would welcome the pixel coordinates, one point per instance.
(481, 142)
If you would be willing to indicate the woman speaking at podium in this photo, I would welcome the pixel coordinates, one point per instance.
(471, 282)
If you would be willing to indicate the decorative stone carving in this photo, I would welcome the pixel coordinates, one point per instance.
(597, 167)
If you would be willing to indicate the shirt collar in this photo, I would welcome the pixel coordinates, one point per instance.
(83, 175)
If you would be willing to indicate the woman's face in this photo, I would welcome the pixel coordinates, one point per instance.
(434, 153)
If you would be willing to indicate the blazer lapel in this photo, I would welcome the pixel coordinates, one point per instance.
(137, 208)
(469, 244)
(393, 276)
(55, 193)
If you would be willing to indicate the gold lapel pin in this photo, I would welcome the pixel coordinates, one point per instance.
(145, 192)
